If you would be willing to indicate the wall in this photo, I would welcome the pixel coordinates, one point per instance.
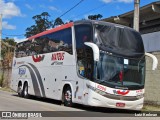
(6, 77)
(151, 41)
(152, 84)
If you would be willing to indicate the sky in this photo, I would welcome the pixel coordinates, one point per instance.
(17, 14)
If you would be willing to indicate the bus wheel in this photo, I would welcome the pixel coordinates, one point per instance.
(25, 91)
(68, 97)
(19, 91)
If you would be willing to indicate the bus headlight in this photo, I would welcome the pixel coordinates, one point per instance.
(140, 96)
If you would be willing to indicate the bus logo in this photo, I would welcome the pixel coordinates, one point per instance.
(121, 92)
(57, 56)
(22, 71)
(38, 58)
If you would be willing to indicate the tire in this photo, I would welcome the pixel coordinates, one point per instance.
(25, 91)
(67, 95)
(20, 91)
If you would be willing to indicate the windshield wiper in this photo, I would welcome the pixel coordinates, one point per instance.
(102, 81)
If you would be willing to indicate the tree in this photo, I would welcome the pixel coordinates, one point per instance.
(10, 41)
(42, 23)
(57, 22)
(95, 17)
(8, 45)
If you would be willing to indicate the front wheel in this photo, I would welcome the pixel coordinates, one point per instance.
(68, 97)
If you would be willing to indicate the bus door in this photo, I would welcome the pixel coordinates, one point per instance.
(85, 73)
(83, 33)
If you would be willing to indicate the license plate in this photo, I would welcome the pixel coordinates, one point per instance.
(120, 104)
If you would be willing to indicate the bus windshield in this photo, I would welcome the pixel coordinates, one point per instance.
(119, 40)
(118, 72)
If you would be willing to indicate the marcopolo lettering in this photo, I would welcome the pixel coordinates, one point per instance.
(101, 87)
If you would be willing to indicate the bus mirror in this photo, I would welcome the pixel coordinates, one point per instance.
(155, 60)
(95, 50)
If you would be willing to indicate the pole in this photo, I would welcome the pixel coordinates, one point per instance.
(0, 36)
(136, 15)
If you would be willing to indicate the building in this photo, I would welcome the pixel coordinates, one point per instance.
(149, 25)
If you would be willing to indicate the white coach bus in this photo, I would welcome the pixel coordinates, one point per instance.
(87, 62)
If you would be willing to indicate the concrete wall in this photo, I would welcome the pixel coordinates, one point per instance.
(152, 84)
(6, 78)
(151, 41)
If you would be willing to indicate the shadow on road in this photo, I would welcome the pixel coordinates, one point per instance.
(82, 107)
(104, 110)
(46, 100)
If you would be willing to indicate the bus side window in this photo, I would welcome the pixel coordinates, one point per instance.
(83, 33)
(21, 49)
(57, 41)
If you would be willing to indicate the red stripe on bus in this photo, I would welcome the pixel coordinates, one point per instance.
(52, 30)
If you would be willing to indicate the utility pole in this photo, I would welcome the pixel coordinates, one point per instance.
(136, 15)
(0, 36)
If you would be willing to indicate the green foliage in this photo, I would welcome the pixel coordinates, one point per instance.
(95, 17)
(57, 22)
(42, 23)
(10, 41)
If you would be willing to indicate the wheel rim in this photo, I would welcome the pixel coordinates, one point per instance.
(68, 95)
(25, 91)
(19, 89)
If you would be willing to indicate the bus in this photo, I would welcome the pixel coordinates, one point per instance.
(93, 63)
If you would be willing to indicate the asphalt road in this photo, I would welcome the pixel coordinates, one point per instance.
(11, 102)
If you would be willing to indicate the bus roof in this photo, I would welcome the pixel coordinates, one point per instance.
(61, 27)
(52, 30)
(71, 24)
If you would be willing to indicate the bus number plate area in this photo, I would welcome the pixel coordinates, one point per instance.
(120, 104)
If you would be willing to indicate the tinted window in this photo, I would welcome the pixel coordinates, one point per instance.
(22, 49)
(121, 72)
(57, 41)
(122, 41)
(83, 34)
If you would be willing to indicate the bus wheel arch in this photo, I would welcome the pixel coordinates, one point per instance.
(67, 95)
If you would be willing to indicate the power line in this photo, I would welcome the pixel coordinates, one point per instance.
(96, 8)
(53, 20)
(71, 8)
(13, 35)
